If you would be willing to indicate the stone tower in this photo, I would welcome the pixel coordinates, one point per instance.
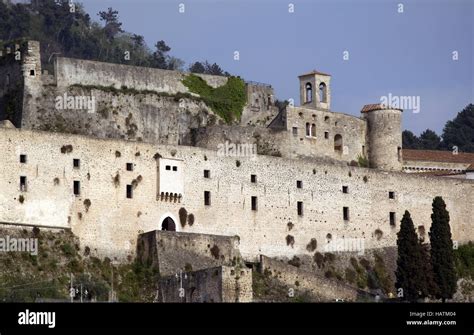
(315, 90)
(384, 136)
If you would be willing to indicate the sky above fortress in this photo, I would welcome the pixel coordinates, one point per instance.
(372, 48)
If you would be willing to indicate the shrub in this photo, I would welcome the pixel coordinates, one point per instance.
(117, 154)
(464, 260)
(362, 161)
(329, 257)
(87, 204)
(87, 251)
(290, 226)
(188, 267)
(215, 251)
(330, 274)
(116, 180)
(56, 181)
(350, 275)
(378, 233)
(36, 231)
(66, 149)
(237, 163)
(365, 179)
(21, 199)
(68, 249)
(365, 263)
(295, 261)
(319, 259)
(312, 245)
(290, 240)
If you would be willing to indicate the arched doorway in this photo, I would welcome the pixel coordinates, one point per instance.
(168, 224)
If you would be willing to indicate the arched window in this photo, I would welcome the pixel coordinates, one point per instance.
(313, 130)
(308, 129)
(322, 93)
(309, 92)
(338, 143)
(168, 224)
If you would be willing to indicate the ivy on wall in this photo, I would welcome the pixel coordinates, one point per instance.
(227, 100)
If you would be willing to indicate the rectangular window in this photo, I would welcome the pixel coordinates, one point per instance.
(175, 168)
(23, 159)
(129, 191)
(168, 167)
(207, 174)
(345, 189)
(23, 183)
(300, 208)
(77, 187)
(392, 218)
(76, 163)
(295, 131)
(129, 166)
(326, 135)
(254, 203)
(299, 184)
(345, 213)
(253, 178)
(207, 198)
(391, 195)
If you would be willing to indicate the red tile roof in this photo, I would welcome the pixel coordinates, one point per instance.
(314, 72)
(374, 107)
(438, 156)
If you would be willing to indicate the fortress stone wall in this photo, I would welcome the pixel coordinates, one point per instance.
(109, 222)
(129, 102)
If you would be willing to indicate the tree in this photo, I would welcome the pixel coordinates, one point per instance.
(159, 59)
(429, 140)
(430, 288)
(197, 67)
(442, 253)
(460, 131)
(409, 273)
(410, 140)
(175, 64)
(112, 25)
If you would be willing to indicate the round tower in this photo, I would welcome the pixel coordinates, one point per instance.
(384, 136)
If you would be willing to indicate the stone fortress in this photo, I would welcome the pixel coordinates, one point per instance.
(145, 158)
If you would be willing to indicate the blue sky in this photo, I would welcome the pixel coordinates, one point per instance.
(405, 54)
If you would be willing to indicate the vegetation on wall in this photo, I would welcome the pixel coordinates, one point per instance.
(29, 278)
(227, 100)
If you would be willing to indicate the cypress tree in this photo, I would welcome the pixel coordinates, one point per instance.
(410, 276)
(442, 253)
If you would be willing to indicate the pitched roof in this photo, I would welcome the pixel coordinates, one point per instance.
(314, 72)
(374, 107)
(438, 156)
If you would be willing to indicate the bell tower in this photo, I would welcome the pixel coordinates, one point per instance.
(315, 90)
